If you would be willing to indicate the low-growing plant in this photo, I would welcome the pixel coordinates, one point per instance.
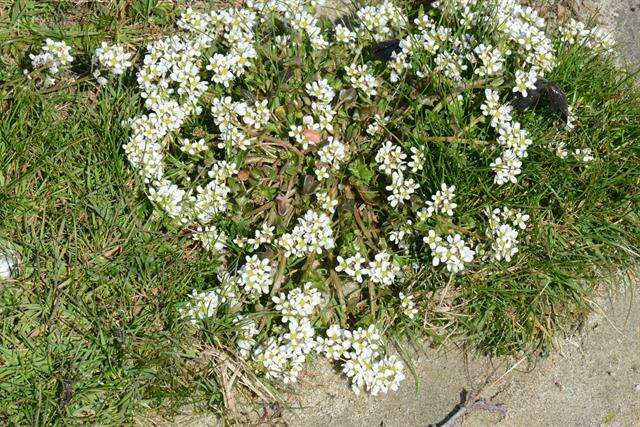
(461, 168)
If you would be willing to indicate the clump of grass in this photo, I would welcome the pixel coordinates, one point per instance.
(93, 326)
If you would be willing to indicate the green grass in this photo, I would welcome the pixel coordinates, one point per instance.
(94, 306)
(94, 310)
(584, 220)
(90, 332)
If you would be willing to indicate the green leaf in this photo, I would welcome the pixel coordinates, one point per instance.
(362, 171)
(18, 8)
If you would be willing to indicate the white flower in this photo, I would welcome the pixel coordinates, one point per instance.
(499, 113)
(417, 160)
(321, 90)
(432, 239)
(502, 231)
(491, 58)
(211, 238)
(113, 58)
(506, 167)
(298, 303)
(313, 234)
(560, 150)
(210, 200)
(401, 189)
(322, 173)
(257, 115)
(326, 202)
(192, 147)
(9, 262)
(368, 367)
(255, 275)
(263, 235)
(583, 154)
(344, 35)
(398, 64)
(248, 331)
(514, 138)
(333, 153)
(54, 56)
(505, 242)
(397, 237)
(202, 305)
(442, 201)
(360, 78)
(452, 252)
(408, 305)
(353, 266)
(382, 270)
(168, 196)
(525, 81)
(377, 124)
(390, 158)
(450, 64)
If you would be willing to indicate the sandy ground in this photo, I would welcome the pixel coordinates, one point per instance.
(622, 18)
(590, 379)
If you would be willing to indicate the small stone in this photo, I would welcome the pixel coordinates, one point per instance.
(9, 262)
(637, 388)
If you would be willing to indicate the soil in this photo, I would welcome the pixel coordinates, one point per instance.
(592, 378)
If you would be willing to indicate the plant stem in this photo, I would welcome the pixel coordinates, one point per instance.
(337, 286)
(458, 140)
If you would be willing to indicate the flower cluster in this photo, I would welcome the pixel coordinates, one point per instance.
(333, 153)
(54, 56)
(514, 138)
(400, 236)
(499, 113)
(451, 252)
(503, 225)
(300, 302)
(201, 305)
(111, 58)
(440, 203)
(391, 158)
(364, 359)
(575, 32)
(313, 234)
(246, 340)
(326, 203)
(506, 167)
(255, 275)
(391, 161)
(354, 267)
(211, 238)
(583, 154)
(360, 78)
(204, 304)
(491, 58)
(378, 22)
(262, 236)
(381, 270)
(263, 170)
(320, 119)
(401, 189)
(283, 357)
(408, 305)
